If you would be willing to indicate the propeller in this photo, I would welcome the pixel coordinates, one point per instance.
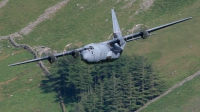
(45, 51)
(72, 58)
(144, 34)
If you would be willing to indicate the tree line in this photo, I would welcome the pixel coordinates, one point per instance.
(120, 86)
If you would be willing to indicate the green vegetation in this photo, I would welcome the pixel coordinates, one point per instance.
(73, 24)
(84, 25)
(176, 46)
(174, 51)
(19, 86)
(105, 87)
(183, 99)
(18, 13)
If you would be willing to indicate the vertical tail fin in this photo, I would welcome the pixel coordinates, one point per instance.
(116, 29)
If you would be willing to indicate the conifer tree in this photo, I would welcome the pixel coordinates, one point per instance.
(123, 85)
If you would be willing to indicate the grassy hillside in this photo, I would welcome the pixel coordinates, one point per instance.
(19, 87)
(182, 60)
(18, 13)
(174, 50)
(168, 49)
(183, 99)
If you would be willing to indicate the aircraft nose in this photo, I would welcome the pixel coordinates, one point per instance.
(87, 57)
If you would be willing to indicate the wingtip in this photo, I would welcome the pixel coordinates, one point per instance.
(10, 65)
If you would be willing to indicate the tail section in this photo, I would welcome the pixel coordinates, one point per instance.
(116, 29)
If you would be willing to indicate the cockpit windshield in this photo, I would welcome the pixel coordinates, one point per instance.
(89, 48)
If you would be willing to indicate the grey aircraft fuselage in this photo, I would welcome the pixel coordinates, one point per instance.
(104, 51)
(100, 52)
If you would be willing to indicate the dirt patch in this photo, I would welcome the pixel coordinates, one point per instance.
(117, 1)
(100, 1)
(129, 4)
(9, 81)
(16, 34)
(48, 13)
(3, 37)
(4, 57)
(3, 3)
(146, 4)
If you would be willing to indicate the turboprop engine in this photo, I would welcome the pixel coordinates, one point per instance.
(144, 34)
(76, 54)
(52, 58)
(73, 57)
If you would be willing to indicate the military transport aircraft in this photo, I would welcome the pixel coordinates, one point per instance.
(104, 51)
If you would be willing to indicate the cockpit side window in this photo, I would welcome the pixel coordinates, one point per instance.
(90, 47)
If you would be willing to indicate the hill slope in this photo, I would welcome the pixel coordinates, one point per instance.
(183, 99)
(174, 50)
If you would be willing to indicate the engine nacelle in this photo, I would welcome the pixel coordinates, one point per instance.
(144, 34)
(52, 58)
(76, 54)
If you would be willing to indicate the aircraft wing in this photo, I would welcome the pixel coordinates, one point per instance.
(50, 58)
(138, 35)
(135, 36)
